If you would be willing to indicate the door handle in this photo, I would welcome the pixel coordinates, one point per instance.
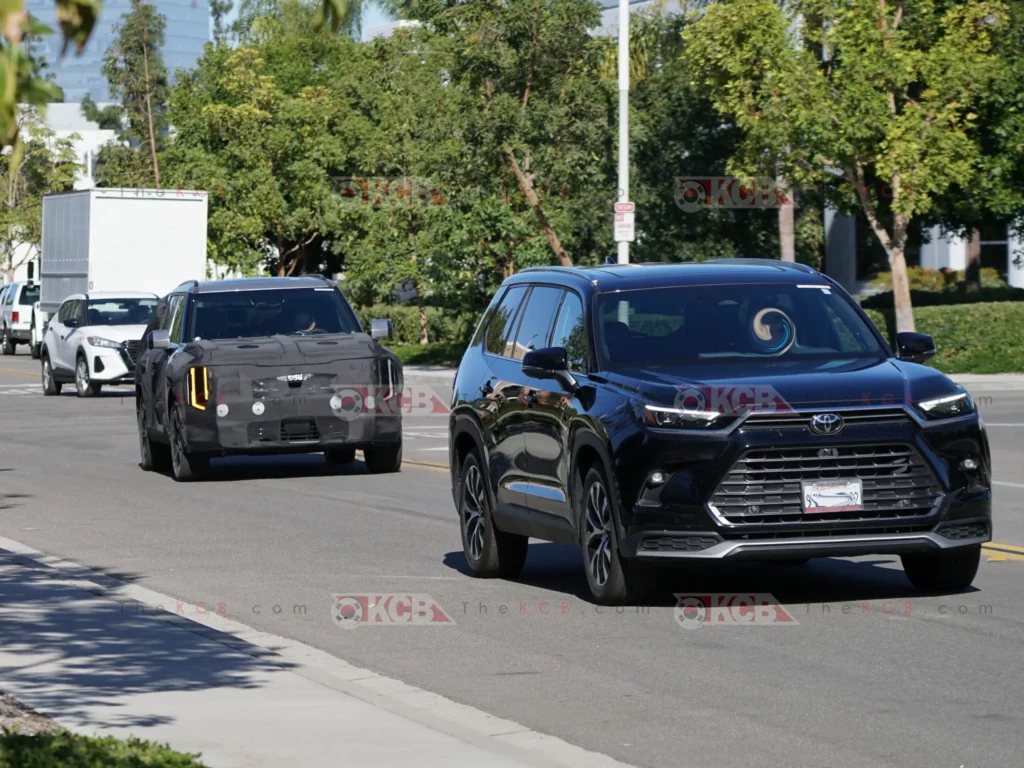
(487, 389)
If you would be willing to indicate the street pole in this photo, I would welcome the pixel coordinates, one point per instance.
(623, 116)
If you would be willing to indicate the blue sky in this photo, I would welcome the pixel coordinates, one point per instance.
(372, 15)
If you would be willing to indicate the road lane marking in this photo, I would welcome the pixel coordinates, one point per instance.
(1002, 424)
(1004, 547)
(19, 373)
(1009, 485)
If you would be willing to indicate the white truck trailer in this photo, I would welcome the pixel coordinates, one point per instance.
(110, 240)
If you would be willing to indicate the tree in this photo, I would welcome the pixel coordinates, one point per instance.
(48, 164)
(874, 100)
(219, 9)
(137, 76)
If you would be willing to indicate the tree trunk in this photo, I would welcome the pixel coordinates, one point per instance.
(787, 229)
(901, 290)
(424, 337)
(526, 186)
(972, 275)
(149, 108)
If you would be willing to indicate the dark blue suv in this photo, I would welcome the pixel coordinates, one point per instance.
(734, 409)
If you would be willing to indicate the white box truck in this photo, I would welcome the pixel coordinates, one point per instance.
(109, 240)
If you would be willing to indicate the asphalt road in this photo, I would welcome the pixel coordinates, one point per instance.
(868, 674)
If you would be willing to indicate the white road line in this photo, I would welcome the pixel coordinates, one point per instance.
(1011, 485)
(1002, 424)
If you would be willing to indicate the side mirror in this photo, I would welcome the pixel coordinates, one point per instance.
(71, 322)
(915, 347)
(381, 329)
(159, 340)
(549, 363)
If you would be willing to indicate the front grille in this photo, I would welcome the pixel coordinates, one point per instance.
(826, 533)
(299, 431)
(764, 485)
(131, 348)
(678, 543)
(964, 531)
(850, 418)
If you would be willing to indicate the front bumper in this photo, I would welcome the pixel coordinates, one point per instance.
(110, 366)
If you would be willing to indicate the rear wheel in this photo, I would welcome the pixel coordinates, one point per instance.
(33, 344)
(6, 342)
(612, 579)
(382, 459)
(948, 571)
(340, 456)
(488, 551)
(50, 385)
(83, 384)
(186, 466)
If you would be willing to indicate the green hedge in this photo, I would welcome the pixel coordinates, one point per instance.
(60, 749)
(970, 338)
(443, 326)
(883, 301)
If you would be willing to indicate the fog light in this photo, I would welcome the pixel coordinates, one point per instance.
(968, 464)
(657, 478)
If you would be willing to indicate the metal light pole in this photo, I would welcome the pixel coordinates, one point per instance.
(623, 117)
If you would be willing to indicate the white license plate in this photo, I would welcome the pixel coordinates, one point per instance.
(832, 496)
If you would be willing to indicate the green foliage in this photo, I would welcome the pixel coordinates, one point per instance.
(947, 297)
(443, 326)
(46, 165)
(973, 338)
(61, 749)
(447, 353)
(138, 80)
(940, 280)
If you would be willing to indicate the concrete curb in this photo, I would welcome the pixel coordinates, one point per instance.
(470, 725)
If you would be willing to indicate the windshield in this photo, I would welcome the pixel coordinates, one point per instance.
(29, 295)
(758, 323)
(120, 311)
(287, 312)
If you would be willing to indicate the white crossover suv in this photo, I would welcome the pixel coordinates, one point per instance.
(16, 300)
(93, 340)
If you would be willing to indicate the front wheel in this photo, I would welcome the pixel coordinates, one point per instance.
(489, 552)
(154, 457)
(186, 466)
(33, 345)
(50, 385)
(949, 571)
(612, 579)
(382, 459)
(83, 384)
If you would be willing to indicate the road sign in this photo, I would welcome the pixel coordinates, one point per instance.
(624, 228)
(625, 207)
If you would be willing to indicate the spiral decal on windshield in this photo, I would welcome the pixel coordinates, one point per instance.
(773, 331)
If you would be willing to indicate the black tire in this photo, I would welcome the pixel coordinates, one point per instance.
(84, 386)
(383, 459)
(949, 571)
(489, 552)
(6, 342)
(185, 466)
(154, 456)
(50, 385)
(340, 456)
(33, 350)
(33, 345)
(613, 580)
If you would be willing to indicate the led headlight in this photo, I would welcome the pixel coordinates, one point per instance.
(947, 407)
(681, 418)
(97, 341)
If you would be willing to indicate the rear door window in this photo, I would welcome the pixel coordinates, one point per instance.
(29, 295)
(500, 328)
(571, 333)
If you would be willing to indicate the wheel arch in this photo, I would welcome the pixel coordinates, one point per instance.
(467, 436)
(589, 450)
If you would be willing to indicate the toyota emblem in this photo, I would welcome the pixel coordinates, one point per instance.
(826, 424)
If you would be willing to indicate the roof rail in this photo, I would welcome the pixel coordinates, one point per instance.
(189, 283)
(795, 265)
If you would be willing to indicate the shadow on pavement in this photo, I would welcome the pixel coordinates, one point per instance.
(559, 568)
(279, 466)
(92, 658)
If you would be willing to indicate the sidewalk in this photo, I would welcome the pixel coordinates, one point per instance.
(75, 646)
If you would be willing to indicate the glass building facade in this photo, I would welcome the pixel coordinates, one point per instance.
(187, 31)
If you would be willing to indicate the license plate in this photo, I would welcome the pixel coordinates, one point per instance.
(832, 496)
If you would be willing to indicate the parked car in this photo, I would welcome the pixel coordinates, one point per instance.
(16, 300)
(728, 410)
(265, 365)
(93, 340)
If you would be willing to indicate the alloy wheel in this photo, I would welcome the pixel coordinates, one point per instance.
(177, 444)
(598, 534)
(473, 519)
(46, 373)
(82, 376)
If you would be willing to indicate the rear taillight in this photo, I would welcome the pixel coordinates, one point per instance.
(14, 317)
(199, 387)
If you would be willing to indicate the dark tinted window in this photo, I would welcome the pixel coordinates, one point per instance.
(65, 311)
(571, 333)
(286, 312)
(538, 318)
(748, 322)
(501, 325)
(120, 311)
(176, 312)
(76, 310)
(29, 295)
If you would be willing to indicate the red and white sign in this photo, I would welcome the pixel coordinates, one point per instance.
(350, 611)
(625, 231)
(693, 611)
(625, 207)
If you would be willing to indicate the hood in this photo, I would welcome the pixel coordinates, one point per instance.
(279, 351)
(791, 384)
(114, 332)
